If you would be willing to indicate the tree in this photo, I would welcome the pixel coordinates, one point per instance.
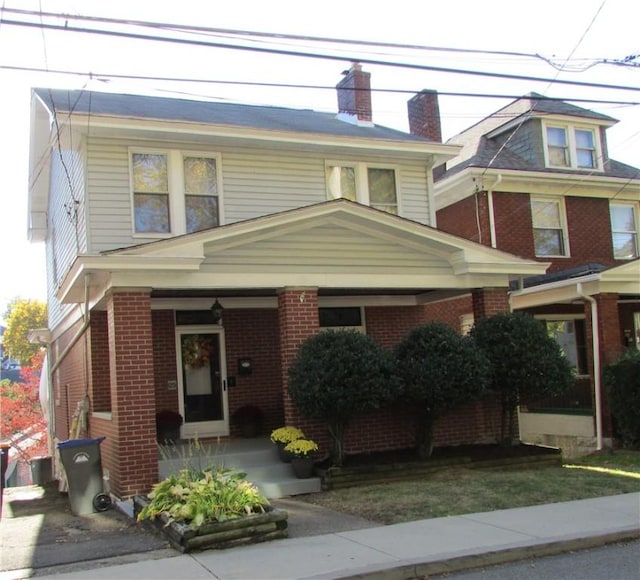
(21, 410)
(439, 371)
(23, 315)
(337, 374)
(622, 379)
(525, 362)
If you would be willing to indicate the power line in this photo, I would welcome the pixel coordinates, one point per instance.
(107, 76)
(303, 54)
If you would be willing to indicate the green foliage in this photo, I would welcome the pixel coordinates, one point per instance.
(337, 374)
(622, 379)
(439, 370)
(21, 317)
(198, 497)
(525, 361)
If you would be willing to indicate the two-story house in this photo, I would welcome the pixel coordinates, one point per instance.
(535, 179)
(193, 245)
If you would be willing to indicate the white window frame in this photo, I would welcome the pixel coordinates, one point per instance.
(636, 233)
(568, 318)
(570, 132)
(362, 179)
(175, 176)
(562, 210)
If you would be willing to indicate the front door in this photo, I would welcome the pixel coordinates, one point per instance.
(202, 381)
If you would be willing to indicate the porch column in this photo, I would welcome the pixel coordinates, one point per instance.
(298, 319)
(489, 301)
(611, 347)
(135, 454)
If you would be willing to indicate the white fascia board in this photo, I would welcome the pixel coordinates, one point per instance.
(437, 152)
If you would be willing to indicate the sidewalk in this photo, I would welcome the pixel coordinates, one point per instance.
(407, 550)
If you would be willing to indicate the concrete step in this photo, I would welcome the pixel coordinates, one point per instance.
(257, 458)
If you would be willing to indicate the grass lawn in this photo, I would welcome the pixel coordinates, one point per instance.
(459, 491)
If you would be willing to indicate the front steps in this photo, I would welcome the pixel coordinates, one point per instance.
(257, 457)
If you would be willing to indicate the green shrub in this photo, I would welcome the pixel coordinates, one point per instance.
(198, 497)
(337, 374)
(439, 370)
(622, 380)
(525, 362)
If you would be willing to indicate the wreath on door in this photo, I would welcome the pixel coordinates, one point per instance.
(196, 351)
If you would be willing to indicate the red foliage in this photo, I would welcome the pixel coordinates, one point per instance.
(22, 420)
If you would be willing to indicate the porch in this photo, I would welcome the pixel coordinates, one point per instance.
(257, 457)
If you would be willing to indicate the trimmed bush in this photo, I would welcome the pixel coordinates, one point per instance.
(336, 374)
(622, 379)
(525, 362)
(439, 370)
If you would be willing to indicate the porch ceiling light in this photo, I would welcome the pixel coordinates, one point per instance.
(216, 311)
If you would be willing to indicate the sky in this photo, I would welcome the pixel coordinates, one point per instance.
(558, 40)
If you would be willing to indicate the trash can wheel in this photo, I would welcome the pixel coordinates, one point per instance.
(101, 502)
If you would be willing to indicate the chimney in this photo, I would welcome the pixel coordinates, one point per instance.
(424, 115)
(354, 96)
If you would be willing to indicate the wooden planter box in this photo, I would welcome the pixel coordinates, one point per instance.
(251, 529)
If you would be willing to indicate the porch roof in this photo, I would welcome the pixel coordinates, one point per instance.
(623, 280)
(338, 246)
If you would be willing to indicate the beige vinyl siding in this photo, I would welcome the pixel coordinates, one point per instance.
(322, 249)
(255, 182)
(66, 228)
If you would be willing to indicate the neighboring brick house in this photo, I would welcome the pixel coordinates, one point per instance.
(535, 179)
(155, 209)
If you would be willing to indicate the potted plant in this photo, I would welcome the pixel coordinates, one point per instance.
(168, 425)
(282, 437)
(303, 454)
(249, 419)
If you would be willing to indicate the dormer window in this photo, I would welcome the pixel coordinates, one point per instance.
(572, 147)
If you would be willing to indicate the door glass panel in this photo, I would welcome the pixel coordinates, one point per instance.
(201, 377)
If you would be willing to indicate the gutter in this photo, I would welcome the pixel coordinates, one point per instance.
(597, 383)
(492, 217)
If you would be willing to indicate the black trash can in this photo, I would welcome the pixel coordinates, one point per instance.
(83, 466)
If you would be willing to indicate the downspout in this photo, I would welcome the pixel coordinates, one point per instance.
(78, 335)
(492, 218)
(595, 337)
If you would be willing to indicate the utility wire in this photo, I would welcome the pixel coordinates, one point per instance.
(303, 54)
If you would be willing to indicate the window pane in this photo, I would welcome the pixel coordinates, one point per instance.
(586, 158)
(339, 317)
(584, 139)
(202, 212)
(625, 246)
(548, 242)
(556, 136)
(151, 213)
(382, 189)
(622, 218)
(557, 146)
(149, 173)
(341, 182)
(545, 214)
(200, 175)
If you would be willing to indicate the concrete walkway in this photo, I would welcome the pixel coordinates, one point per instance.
(407, 550)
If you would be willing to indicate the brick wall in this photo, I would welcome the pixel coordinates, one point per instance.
(100, 377)
(254, 334)
(468, 218)
(164, 359)
(135, 456)
(489, 301)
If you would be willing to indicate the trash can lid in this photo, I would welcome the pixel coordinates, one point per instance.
(79, 442)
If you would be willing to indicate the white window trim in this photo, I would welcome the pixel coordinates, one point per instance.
(570, 130)
(636, 213)
(175, 171)
(362, 178)
(563, 224)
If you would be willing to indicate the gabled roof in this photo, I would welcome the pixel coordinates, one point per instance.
(482, 143)
(210, 113)
(336, 245)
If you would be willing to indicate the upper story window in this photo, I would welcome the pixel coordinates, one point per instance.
(174, 192)
(369, 185)
(624, 230)
(572, 147)
(549, 227)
